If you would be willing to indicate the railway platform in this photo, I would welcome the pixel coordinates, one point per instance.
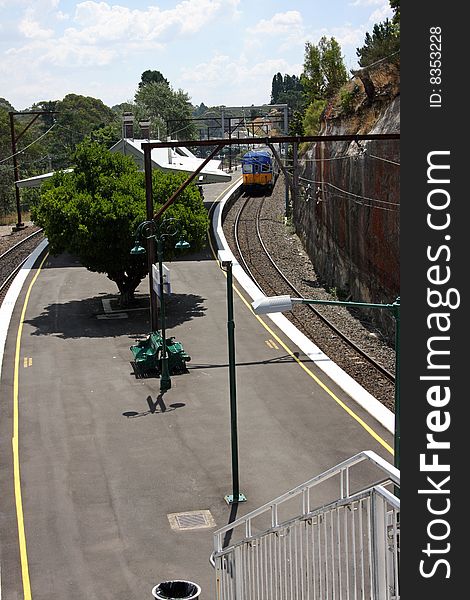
(111, 487)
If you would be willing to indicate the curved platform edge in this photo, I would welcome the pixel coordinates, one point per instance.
(6, 309)
(370, 404)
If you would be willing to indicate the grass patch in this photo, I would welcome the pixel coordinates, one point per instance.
(12, 218)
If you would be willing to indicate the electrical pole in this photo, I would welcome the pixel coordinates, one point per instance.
(14, 140)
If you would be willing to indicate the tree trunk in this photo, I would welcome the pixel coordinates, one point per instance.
(126, 298)
(368, 84)
(126, 285)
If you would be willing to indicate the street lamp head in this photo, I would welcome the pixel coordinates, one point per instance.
(138, 249)
(182, 245)
(272, 304)
(225, 258)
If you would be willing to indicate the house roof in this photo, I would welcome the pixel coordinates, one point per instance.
(170, 160)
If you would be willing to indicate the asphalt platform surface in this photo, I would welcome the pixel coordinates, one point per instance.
(108, 463)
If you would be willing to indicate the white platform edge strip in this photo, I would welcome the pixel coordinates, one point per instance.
(375, 408)
(6, 309)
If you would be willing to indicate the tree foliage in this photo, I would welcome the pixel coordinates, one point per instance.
(324, 71)
(77, 118)
(384, 42)
(167, 109)
(287, 89)
(7, 195)
(94, 213)
(150, 76)
(312, 117)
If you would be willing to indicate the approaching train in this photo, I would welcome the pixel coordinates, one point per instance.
(258, 170)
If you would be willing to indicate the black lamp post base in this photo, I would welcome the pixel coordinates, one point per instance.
(230, 498)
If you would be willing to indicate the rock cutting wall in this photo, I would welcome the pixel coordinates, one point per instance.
(347, 212)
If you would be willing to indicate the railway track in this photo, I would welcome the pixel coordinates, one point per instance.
(249, 231)
(14, 257)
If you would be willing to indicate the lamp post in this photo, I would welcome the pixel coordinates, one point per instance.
(285, 303)
(236, 496)
(151, 230)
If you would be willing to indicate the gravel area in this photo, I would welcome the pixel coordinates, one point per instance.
(9, 238)
(287, 250)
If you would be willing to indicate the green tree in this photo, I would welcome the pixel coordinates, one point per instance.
(324, 71)
(6, 105)
(7, 194)
(32, 156)
(152, 77)
(395, 6)
(77, 117)
(312, 117)
(163, 106)
(288, 90)
(94, 212)
(296, 125)
(384, 42)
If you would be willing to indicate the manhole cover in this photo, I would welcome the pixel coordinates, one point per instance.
(196, 519)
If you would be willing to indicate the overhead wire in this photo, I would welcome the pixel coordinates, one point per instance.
(351, 196)
(29, 145)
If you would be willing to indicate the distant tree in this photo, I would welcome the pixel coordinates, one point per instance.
(152, 77)
(384, 42)
(107, 135)
(288, 90)
(200, 110)
(6, 105)
(32, 157)
(296, 125)
(277, 87)
(324, 70)
(164, 105)
(7, 195)
(94, 212)
(76, 119)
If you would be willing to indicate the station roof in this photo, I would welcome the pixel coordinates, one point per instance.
(179, 160)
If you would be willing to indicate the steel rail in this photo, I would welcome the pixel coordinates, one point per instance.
(236, 226)
(12, 274)
(18, 244)
(324, 319)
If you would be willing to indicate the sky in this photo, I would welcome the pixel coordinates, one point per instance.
(221, 52)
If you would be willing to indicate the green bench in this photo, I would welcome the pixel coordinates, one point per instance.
(148, 354)
(177, 357)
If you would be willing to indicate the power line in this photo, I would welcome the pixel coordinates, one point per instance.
(28, 146)
(349, 195)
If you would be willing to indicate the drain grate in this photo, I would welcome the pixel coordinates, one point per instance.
(196, 519)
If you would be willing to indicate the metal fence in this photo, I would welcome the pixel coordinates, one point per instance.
(347, 549)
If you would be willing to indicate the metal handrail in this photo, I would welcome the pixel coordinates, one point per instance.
(341, 469)
(366, 493)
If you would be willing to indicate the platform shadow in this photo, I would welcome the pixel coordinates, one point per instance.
(87, 318)
(157, 406)
(285, 359)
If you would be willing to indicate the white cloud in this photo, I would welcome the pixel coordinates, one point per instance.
(381, 14)
(100, 32)
(367, 2)
(97, 21)
(281, 23)
(31, 28)
(230, 80)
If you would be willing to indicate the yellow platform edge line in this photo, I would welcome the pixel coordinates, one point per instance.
(318, 381)
(15, 446)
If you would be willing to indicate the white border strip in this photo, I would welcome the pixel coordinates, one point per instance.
(375, 408)
(6, 309)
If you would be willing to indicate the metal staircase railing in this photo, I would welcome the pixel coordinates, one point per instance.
(291, 549)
